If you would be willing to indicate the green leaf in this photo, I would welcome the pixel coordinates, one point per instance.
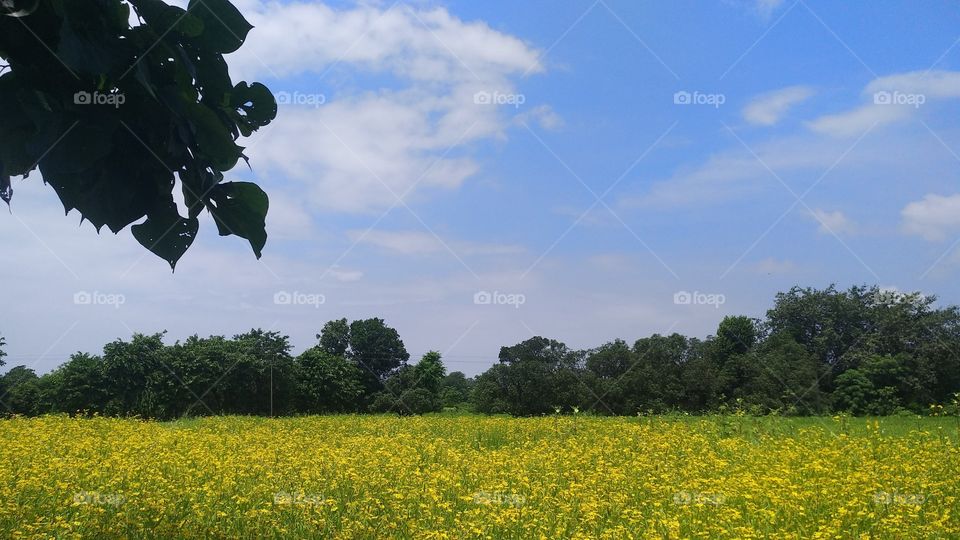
(6, 191)
(214, 140)
(166, 234)
(176, 112)
(224, 27)
(257, 103)
(240, 208)
(163, 17)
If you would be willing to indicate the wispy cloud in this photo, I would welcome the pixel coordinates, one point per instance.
(423, 243)
(835, 222)
(767, 109)
(934, 217)
(356, 152)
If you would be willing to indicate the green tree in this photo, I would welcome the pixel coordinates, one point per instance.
(881, 385)
(654, 382)
(413, 389)
(377, 349)
(535, 349)
(335, 337)
(429, 373)
(21, 391)
(128, 367)
(455, 389)
(611, 360)
(854, 393)
(327, 383)
(784, 377)
(702, 377)
(261, 381)
(113, 115)
(532, 378)
(79, 386)
(735, 335)
(491, 391)
(827, 323)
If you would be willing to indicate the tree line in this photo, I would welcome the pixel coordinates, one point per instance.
(863, 350)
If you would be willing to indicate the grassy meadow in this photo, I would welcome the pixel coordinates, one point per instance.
(480, 477)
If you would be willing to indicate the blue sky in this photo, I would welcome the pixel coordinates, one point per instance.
(586, 199)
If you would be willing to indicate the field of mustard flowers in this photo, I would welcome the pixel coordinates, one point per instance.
(480, 477)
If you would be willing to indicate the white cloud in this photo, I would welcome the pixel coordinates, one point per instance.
(891, 99)
(287, 218)
(766, 8)
(835, 222)
(933, 84)
(774, 266)
(424, 243)
(737, 172)
(933, 217)
(543, 115)
(346, 276)
(358, 151)
(858, 121)
(420, 44)
(767, 109)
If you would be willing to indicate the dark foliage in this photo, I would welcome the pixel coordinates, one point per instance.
(113, 115)
(862, 351)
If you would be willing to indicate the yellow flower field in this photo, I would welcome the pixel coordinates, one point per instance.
(480, 477)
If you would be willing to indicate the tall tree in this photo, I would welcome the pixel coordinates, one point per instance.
(21, 391)
(455, 389)
(127, 371)
(80, 385)
(335, 337)
(736, 335)
(376, 348)
(826, 322)
(327, 383)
